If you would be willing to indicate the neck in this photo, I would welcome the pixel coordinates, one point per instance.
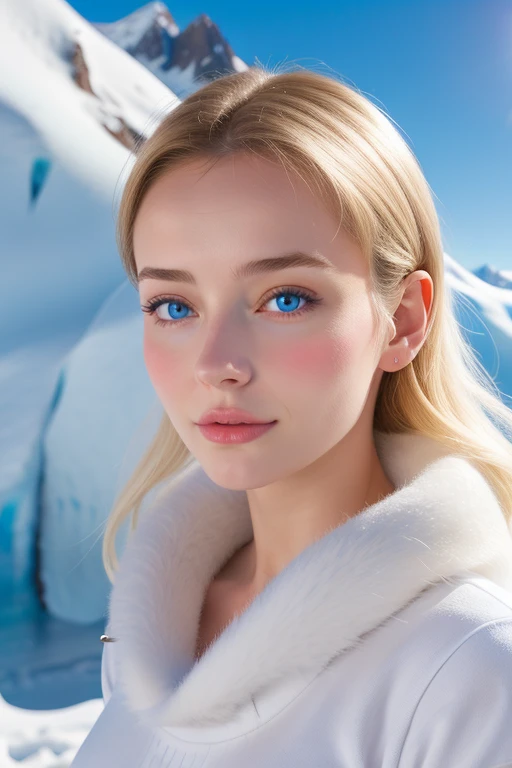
(290, 515)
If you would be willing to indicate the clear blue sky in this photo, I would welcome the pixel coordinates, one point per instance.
(441, 68)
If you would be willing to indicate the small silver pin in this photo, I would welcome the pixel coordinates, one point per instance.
(107, 639)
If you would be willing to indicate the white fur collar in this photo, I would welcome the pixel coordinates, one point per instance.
(442, 518)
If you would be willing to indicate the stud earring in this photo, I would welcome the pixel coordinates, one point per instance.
(395, 359)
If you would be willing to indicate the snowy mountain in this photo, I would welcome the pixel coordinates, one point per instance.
(484, 312)
(498, 277)
(184, 61)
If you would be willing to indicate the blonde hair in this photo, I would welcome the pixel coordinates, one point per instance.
(350, 154)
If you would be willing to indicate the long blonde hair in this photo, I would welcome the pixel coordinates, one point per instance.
(349, 152)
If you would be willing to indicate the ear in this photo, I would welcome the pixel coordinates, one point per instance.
(411, 321)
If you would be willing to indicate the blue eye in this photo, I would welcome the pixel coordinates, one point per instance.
(178, 306)
(181, 306)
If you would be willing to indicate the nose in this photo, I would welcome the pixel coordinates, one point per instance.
(225, 353)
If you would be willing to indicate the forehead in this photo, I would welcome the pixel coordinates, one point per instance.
(240, 207)
(232, 180)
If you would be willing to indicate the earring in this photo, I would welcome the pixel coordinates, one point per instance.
(395, 359)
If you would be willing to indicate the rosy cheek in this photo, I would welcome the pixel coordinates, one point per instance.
(161, 365)
(316, 358)
(154, 359)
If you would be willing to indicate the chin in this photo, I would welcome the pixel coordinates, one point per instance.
(235, 475)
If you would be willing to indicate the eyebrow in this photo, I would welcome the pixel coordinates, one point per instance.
(251, 268)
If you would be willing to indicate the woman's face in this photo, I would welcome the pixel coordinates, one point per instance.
(222, 341)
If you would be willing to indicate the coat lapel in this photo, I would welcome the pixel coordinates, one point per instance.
(442, 518)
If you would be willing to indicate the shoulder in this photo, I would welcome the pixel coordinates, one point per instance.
(462, 716)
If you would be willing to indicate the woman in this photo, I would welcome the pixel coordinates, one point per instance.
(332, 587)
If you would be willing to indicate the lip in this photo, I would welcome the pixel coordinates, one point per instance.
(229, 415)
(234, 433)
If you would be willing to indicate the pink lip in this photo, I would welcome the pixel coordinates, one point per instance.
(234, 433)
(233, 415)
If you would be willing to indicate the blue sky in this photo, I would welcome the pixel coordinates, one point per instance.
(442, 69)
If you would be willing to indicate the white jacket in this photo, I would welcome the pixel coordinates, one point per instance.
(387, 643)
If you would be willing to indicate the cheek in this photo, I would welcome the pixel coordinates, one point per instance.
(163, 366)
(156, 361)
(314, 359)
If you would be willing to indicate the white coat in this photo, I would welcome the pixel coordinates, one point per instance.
(387, 643)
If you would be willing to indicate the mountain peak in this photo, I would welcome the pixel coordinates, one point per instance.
(141, 31)
(183, 60)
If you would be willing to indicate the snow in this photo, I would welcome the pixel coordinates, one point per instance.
(44, 739)
(238, 64)
(182, 79)
(50, 689)
(484, 312)
(129, 31)
(498, 277)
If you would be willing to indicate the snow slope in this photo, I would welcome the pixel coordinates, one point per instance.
(71, 105)
(484, 312)
(48, 739)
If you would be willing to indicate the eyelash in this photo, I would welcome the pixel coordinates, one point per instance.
(153, 304)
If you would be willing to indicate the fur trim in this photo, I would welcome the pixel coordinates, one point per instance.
(443, 518)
